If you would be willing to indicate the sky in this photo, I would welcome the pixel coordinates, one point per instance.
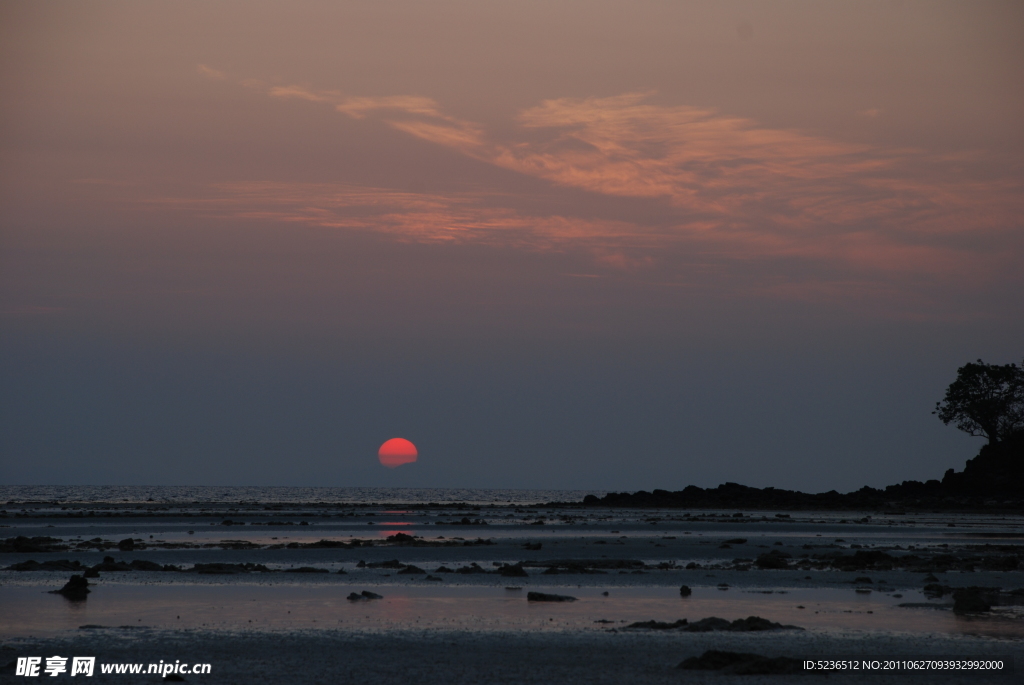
(594, 245)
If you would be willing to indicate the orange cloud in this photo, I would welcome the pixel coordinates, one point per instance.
(211, 73)
(727, 169)
(726, 187)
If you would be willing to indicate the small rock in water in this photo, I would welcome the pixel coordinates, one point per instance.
(77, 588)
(740, 663)
(685, 591)
(410, 569)
(968, 600)
(776, 559)
(545, 597)
(713, 623)
(659, 625)
(306, 569)
(365, 594)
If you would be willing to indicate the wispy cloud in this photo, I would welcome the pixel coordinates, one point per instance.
(726, 186)
(211, 73)
(301, 93)
(422, 217)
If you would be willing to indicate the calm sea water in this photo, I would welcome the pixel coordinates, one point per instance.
(292, 495)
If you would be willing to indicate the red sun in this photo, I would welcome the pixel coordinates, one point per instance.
(397, 451)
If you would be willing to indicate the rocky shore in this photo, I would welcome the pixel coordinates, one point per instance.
(993, 480)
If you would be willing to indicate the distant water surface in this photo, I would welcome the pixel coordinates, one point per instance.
(179, 494)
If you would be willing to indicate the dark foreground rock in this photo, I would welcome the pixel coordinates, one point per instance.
(365, 594)
(740, 663)
(659, 625)
(974, 600)
(545, 597)
(55, 565)
(306, 569)
(706, 625)
(34, 545)
(77, 588)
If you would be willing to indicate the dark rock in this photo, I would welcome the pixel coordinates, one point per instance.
(545, 597)
(108, 564)
(391, 563)
(740, 663)
(862, 560)
(582, 565)
(773, 560)
(972, 600)
(306, 569)
(371, 595)
(443, 569)
(736, 541)
(472, 568)
(328, 544)
(55, 565)
(126, 545)
(411, 570)
(658, 625)
(513, 571)
(685, 591)
(713, 623)
(77, 588)
(756, 623)
(401, 538)
(221, 568)
(143, 565)
(533, 546)
(33, 545)
(91, 573)
(706, 625)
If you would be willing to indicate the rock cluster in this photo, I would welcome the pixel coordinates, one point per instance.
(713, 623)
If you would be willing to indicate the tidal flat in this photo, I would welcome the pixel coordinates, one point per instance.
(261, 590)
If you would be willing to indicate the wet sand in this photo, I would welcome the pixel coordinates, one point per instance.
(276, 626)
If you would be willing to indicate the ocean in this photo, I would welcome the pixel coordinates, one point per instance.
(199, 494)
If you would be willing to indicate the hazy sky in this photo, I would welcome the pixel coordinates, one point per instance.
(611, 245)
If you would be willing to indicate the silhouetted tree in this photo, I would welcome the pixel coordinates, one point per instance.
(986, 400)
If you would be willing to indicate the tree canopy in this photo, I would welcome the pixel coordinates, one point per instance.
(985, 400)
